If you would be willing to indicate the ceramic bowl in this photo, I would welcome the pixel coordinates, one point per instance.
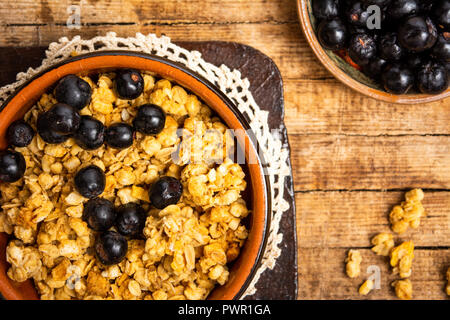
(348, 74)
(257, 194)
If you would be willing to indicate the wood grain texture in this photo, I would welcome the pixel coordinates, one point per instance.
(325, 106)
(280, 41)
(346, 148)
(341, 162)
(350, 219)
(149, 12)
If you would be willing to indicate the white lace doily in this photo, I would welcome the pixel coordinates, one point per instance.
(229, 81)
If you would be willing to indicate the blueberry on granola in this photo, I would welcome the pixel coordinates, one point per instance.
(19, 134)
(150, 119)
(45, 131)
(73, 91)
(129, 84)
(63, 118)
(90, 134)
(119, 135)
(165, 191)
(130, 219)
(110, 247)
(90, 181)
(99, 214)
(12, 166)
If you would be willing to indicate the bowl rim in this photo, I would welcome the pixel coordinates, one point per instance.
(265, 181)
(330, 65)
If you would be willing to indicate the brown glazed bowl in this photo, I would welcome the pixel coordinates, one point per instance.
(347, 74)
(258, 190)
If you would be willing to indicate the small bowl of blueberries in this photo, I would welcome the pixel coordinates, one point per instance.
(396, 51)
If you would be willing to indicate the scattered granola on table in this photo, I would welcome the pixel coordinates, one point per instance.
(366, 287)
(383, 243)
(353, 266)
(403, 289)
(184, 245)
(408, 214)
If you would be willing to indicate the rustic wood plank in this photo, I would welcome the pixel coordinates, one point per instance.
(284, 43)
(340, 162)
(322, 274)
(149, 11)
(351, 219)
(327, 106)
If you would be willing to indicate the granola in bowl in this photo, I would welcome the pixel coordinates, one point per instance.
(62, 240)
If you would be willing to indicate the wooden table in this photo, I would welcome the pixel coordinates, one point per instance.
(353, 157)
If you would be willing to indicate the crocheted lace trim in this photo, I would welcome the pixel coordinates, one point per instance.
(229, 82)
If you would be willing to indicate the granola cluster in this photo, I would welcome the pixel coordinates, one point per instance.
(353, 266)
(185, 247)
(401, 259)
(383, 243)
(408, 214)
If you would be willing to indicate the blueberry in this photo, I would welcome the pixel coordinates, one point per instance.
(399, 9)
(150, 119)
(397, 79)
(165, 191)
(389, 48)
(130, 219)
(110, 247)
(119, 135)
(441, 14)
(90, 134)
(63, 118)
(325, 9)
(362, 48)
(19, 134)
(417, 34)
(90, 181)
(380, 3)
(432, 78)
(357, 14)
(375, 67)
(44, 128)
(426, 5)
(332, 34)
(12, 166)
(73, 91)
(129, 84)
(99, 214)
(413, 61)
(441, 50)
